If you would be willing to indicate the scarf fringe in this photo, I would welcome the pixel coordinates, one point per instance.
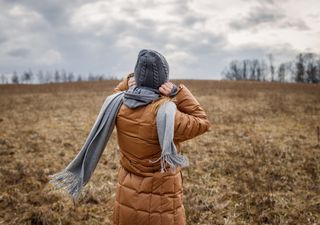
(173, 160)
(67, 181)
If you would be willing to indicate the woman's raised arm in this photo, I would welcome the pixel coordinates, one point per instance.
(190, 119)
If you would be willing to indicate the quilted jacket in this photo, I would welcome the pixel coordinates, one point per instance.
(144, 195)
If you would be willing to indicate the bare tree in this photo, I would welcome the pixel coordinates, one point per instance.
(15, 78)
(290, 70)
(70, 77)
(79, 77)
(245, 69)
(318, 70)
(31, 76)
(300, 70)
(233, 72)
(40, 77)
(27, 76)
(91, 77)
(310, 67)
(57, 76)
(64, 77)
(253, 69)
(4, 79)
(272, 68)
(100, 77)
(261, 71)
(282, 72)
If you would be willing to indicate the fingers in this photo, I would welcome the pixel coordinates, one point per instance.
(169, 85)
(166, 88)
(163, 91)
(131, 82)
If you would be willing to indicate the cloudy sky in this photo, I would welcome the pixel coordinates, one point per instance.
(198, 37)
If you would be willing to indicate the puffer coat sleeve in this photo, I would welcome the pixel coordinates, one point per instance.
(190, 120)
(123, 85)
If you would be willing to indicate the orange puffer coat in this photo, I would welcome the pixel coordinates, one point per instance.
(144, 195)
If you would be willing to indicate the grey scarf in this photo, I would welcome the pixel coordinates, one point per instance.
(77, 174)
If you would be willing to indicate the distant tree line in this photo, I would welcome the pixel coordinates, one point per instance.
(57, 76)
(305, 68)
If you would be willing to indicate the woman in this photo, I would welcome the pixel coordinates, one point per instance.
(152, 117)
(144, 194)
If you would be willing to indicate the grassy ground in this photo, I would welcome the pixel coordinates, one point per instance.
(259, 164)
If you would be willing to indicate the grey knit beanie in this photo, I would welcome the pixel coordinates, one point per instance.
(151, 70)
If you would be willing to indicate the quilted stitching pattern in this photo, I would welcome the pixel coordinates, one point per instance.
(149, 200)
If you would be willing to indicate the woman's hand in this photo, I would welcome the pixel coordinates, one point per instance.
(168, 89)
(131, 82)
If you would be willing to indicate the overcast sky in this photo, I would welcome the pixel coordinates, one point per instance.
(197, 37)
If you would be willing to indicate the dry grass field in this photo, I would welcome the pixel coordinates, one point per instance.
(259, 164)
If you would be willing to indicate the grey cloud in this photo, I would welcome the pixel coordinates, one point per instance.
(257, 16)
(129, 10)
(267, 2)
(56, 12)
(19, 52)
(3, 38)
(181, 7)
(297, 24)
(267, 15)
(192, 19)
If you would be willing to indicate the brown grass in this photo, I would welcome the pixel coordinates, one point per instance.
(259, 164)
